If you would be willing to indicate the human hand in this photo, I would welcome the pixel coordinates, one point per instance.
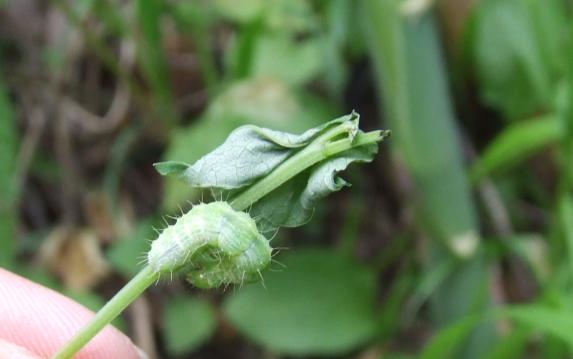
(36, 321)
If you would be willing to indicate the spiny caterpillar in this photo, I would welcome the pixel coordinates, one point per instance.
(214, 244)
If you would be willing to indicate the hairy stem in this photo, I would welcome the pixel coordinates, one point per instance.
(112, 309)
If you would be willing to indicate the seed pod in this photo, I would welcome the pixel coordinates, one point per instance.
(214, 244)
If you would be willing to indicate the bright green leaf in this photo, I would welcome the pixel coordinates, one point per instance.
(509, 60)
(285, 58)
(511, 346)
(516, 143)
(240, 10)
(290, 16)
(552, 321)
(125, 254)
(555, 322)
(321, 304)
(189, 323)
(448, 341)
(171, 168)
(261, 101)
(293, 204)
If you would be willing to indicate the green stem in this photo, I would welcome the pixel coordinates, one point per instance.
(322, 148)
(312, 154)
(112, 309)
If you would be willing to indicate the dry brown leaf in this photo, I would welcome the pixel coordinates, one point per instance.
(75, 256)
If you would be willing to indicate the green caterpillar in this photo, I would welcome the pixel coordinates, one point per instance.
(214, 244)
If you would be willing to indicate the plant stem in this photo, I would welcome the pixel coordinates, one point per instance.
(312, 154)
(105, 315)
(322, 148)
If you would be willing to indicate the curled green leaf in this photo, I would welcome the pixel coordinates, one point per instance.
(251, 153)
(294, 203)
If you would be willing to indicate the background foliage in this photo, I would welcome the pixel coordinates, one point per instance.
(456, 242)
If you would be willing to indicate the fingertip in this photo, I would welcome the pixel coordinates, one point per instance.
(43, 320)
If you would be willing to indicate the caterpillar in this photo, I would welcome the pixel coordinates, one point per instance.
(214, 244)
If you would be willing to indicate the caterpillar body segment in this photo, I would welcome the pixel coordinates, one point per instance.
(215, 244)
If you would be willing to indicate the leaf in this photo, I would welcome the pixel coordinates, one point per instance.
(290, 16)
(241, 11)
(278, 15)
(411, 75)
(448, 341)
(283, 57)
(338, 16)
(263, 102)
(516, 143)
(75, 256)
(249, 153)
(513, 345)
(187, 145)
(532, 249)
(125, 254)
(555, 322)
(322, 304)
(508, 56)
(171, 167)
(293, 204)
(189, 323)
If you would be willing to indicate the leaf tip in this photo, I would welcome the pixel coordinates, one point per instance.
(170, 168)
(384, 134)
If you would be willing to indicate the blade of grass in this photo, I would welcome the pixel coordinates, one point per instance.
(447, 341)
(556, 323)
(512, 346)
(151, 58)
(245, 49)
(516, 143)
(565, 212)
(410, 74)
(8, 185)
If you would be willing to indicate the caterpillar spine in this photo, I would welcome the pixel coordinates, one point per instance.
(214, 244)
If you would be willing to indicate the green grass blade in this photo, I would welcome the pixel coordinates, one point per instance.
(447, 342)
(410, 72)
(151, 57)
(555, 322)
(8, 184)
(413, 87)
(565, 212)
(516, 143)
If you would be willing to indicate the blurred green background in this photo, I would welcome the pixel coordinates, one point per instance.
(457, 242)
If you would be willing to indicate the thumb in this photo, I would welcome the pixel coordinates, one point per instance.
(43, 321)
